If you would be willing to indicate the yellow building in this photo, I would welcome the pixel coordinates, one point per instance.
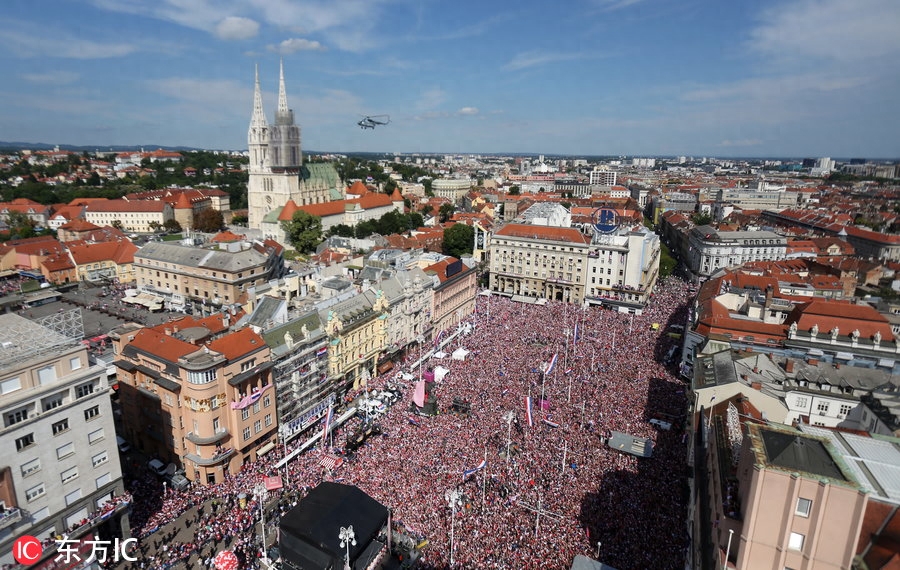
(357, 329)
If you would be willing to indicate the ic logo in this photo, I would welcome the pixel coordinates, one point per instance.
(27, 550)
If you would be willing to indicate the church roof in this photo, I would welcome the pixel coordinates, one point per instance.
(287, 213)
(183, 202)
(357, 188)
(396, 196)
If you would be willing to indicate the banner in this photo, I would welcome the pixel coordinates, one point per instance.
(528, 411)
(419, 394)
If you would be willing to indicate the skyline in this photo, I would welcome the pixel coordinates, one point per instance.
(597, 77)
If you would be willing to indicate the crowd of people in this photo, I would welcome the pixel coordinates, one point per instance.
(549, 490)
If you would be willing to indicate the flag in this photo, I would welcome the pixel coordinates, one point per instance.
(479, 467)
(551, 424)
(322, 351)
(544, 404)
(568, 371)
(327, 423)
(413, 421)
(528, 411)
(575, 336)
(437, 339)
(419, 394)
(551, 365)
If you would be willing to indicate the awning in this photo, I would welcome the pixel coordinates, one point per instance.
(887, 362)
(264, 449)
(844, 356)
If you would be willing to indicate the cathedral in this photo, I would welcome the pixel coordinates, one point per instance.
(277, 172)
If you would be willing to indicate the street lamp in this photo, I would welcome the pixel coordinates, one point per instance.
(347, 537)
(261, 495)
(508, 417)
(454, 499)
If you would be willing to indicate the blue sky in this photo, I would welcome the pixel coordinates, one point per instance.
(631, 77)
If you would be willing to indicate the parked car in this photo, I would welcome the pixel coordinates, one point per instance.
(161, 468)
(178, 481)
(124, 446)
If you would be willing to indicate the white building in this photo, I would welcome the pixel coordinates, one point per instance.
(450, 188)
(62, 463)
(603, 177)
(622, 269)
(710, 250)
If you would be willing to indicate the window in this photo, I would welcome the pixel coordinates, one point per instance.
(845, 409)
(84, 390)
(100, 458)
(65, 450)
(803, 507)
(47, 375)
(40, 515)
(801, 401)
(822, 407)
(246, 433)
(103, 480)
(95, 435)
(24, 441)
(267, 401)
(795, 542)
(245, 366)
(256, 407)
(10, 385)
(75, 363)
(91, 413)
(257, 426)
(61, 426)
(35, 492)
(31, 467)
(203, 377)
(268, 420)
(17, 416)
(69, 474)
(245, 413)
(53, 402)
(73, 497)
(216, 425)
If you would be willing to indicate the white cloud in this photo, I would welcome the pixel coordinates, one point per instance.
(534, 58)
(51, 77)
(833, 31)
(27, 40)
(237, 28)
(293, 45)
(610, 5)
(468, 111)
(430, 99)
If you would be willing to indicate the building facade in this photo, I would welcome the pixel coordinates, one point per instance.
(58, 433)
(357, 333)
(218, 274)
(622, 269)
(143, 216)
(453, 296)
(710, 250)
(197, 395)
(452, 189)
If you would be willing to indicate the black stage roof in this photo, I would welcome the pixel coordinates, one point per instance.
(309, 532)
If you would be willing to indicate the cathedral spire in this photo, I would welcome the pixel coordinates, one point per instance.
(282, 92)
(259, 115)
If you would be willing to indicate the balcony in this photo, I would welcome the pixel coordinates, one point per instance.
(217, 437)
(9, 517)
(205, 462)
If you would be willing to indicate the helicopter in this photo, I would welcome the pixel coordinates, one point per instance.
(371, 121)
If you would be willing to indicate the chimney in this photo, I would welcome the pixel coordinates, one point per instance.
(813, 361)
(175, 329)
(168, 331)
(837, 365)
(755, 370)
(756, 385)
(789, 366)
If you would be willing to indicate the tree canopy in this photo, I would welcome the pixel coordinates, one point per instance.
(304, 231)
(458, 240)
(209, 220)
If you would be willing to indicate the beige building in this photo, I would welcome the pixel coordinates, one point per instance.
(105, 260)
(196, 394)
(450, 188)
(453, 296)
(57, 434)
(216, 274)
(539, 261)
(143, 216)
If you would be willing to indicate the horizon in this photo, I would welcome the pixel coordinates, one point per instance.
(648, 78)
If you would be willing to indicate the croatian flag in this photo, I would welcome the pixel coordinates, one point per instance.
(327, 423)
(480, 466)
(551, 365)
(551, 424)
(322, 351)
(528, 411)
(437, 339)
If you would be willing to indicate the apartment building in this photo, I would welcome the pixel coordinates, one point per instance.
(710, 250)
(142, 216)
(62, 471)
(539, 261)
(196, 394)
(217, 274)
(453, 294)
(357, 332)
(622, 270)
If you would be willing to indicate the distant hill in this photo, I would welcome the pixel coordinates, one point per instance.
(15, 145)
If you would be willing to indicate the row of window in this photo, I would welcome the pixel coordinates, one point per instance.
(257, 427)
(65, 450)
(40, 490)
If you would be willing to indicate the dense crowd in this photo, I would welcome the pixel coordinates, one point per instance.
(559, 492)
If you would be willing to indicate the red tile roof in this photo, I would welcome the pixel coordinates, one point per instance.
(126, 206)
(569, 235)
(119, 252)
(237, 344)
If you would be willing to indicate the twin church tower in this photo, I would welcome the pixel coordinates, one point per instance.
(277, 172)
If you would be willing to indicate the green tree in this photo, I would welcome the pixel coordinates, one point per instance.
(426, 183)
(667, 263)
(172, 226)
(20, 225)
(458, 240)
(514, 190)
(342, 230)
(209, 220)
(446, 212)
(239, 220)
(304, 231)
(701, 219)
